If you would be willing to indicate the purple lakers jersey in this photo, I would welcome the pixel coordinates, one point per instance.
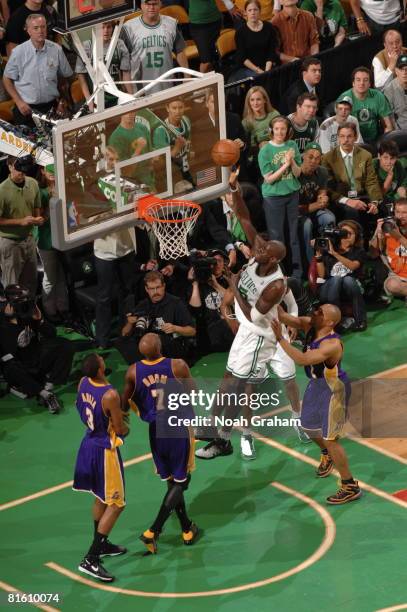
(319, 370)
(155, 380)
(89, 405)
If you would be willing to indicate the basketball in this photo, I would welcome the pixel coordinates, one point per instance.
(225, 152)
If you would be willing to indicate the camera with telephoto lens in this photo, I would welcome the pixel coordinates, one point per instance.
(21, 301)
(141, 326)
(202, 265)
(390, 223)
(329, 233)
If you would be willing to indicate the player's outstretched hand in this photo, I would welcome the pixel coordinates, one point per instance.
(277, 329)
(233, 182)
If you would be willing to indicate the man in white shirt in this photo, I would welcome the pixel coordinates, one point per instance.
(117, 271)
(376, 16)
(384, 63)
(328, 135)
(396, 93)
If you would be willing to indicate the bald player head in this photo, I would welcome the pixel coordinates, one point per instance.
(268, 251)
(327, 315)
(150, 346)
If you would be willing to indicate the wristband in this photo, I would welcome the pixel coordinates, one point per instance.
(233, 190)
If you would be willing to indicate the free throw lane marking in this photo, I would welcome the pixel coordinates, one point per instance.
(327, 541)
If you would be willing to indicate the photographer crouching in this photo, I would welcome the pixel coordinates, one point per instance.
(160, 313)
(33, 358)
(208, 287)
(390, 241)
(340, 261)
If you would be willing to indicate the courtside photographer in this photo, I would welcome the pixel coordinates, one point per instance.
(33, 358)
(161, 313)
(209, 283)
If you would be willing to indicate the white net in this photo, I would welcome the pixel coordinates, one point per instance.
(171, 221)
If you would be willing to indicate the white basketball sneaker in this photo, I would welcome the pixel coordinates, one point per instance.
(247, 447)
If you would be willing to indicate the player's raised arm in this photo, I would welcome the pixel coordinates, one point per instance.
(303, 323)
(112, 408)
(129, 384)
(330, 350)
(240, 208)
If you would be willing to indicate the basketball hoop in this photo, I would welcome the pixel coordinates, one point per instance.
(171, 220)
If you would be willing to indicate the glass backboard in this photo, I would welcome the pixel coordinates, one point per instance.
(76, 14)
(159, 144)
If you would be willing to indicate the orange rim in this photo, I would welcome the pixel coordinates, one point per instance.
(168, 205)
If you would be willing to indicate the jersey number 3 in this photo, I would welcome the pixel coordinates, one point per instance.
(89, 422)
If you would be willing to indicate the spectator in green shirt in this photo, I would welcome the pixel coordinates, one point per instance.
(331, 20)
(280, 165)
(390, 172)
(20, 205)
(369, 106)
(257, 114)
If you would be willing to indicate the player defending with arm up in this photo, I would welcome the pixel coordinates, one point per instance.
(327, 394)
(148, 386)
(254, 352)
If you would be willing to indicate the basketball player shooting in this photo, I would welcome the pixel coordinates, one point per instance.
(258, 291)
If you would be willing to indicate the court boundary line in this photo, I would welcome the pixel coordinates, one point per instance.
(10, 589)
(297, 455)
(393, 608)
(63, 485)
(328, 540)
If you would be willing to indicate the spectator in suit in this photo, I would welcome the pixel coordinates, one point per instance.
(311, 76)
(384, 62)
(298, 32)
(354, 187)
(395, 92)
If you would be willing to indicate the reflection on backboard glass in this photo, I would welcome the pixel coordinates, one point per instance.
(157, 145)
(75, 14)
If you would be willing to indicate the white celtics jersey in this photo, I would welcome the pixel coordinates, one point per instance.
(328, 133)
(150, 48)
(251, 286)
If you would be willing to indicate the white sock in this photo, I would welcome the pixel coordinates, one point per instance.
(246, 431)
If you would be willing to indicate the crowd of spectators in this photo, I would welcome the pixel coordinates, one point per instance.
(329, 184)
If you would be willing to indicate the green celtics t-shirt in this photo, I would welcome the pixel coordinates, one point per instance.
(124, 141)
(271, 158)
(258, 129)
(333, 13)
(399, 179)
(369, 112)
(203, 11)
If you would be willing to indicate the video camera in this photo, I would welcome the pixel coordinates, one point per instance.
(21, 301)
(390, 223)
(202, 265)
(329, 233)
